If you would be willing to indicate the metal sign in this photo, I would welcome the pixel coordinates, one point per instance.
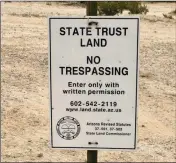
(93, 82)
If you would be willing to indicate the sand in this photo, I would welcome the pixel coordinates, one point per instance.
(25, 96)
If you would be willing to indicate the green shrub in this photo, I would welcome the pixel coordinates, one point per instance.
(116, 8)
(137, 8)
(109, 8)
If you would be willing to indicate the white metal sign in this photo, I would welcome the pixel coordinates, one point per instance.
(93, 82)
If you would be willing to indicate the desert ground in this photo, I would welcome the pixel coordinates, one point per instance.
(25, 94)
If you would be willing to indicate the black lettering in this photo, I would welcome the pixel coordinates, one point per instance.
(125, 28)
(75, 70)
(90, 59)
(88, 33)
(104, 30)
(111, 31)
(98, 30)
(81, 43)
(118, 31)
(61, 70)
(108, 72)
(87, 69)
(69, 84)
(89, 42)
(94, 71)
(75, 32)
(96, 59)
(125, 71)
(62, 31)
(69, 29)
(117, 70)
(81, 70)
(68, 70)
(82, 30)
(96, 42)
(101, 70)
(103, 42)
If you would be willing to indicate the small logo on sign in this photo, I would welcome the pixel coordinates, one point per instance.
(68, 128)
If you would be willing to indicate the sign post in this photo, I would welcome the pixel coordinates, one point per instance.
(91, 10)
(93, 65)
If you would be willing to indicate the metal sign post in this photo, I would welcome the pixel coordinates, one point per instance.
(91, 10)
(92, 156)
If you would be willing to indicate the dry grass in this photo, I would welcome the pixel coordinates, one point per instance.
(36, 15)
(71, 3)
(27, 15)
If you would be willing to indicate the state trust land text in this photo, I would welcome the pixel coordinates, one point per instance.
(87, 31)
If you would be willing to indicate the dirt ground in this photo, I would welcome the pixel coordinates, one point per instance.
(25, 103)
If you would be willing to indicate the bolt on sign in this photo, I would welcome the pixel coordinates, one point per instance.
(93, 82)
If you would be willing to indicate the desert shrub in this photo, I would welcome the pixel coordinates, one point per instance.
(137, 8)
(109, 8)
(116, 8)
(48, 3)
